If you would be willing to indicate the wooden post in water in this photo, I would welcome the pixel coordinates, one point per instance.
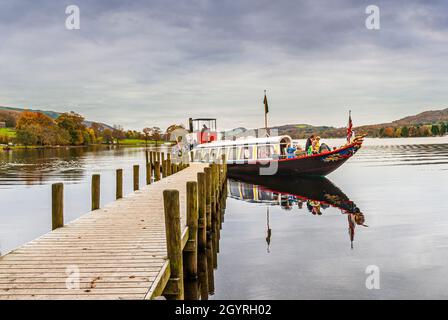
(168, 164)
(157, 171)
(57, 205)
(202, 236)
(136, 177)
(146, 156)
(151, 157)
(95, 192)
(175, 285)
(164, 168)
(210, 275)
(213, 215)
(190, 253)
(148, 173)
(119, 184)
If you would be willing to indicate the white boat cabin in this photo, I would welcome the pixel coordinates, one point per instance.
(244, 150)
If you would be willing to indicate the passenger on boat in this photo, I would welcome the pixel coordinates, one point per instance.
(314, 148)
(309, 142)
(291, 152)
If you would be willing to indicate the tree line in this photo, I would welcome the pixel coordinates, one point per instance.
(424, 130)
(38, 129)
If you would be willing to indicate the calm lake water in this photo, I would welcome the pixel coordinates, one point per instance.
(280, 240)
(399, 186)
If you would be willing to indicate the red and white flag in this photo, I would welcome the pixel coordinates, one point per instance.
(349, 127)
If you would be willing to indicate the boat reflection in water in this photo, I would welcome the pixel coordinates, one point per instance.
(313, 193)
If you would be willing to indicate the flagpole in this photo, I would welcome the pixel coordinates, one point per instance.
(266, 118)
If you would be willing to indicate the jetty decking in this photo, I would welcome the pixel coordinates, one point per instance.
(116, 252)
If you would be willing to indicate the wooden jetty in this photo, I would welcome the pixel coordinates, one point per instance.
(161, 240)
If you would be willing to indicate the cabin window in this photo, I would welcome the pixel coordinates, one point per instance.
(264, 152)
(197, 155)
(205, 155)
(233, 153)
(246, 152)
(213, 154)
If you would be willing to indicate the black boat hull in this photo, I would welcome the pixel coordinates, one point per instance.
(315, 165)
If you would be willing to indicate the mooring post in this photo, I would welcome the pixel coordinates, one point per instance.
(136, 177)
(190, 253)
(146, 156)
(148, 173)
(157, 171)
(175, 285)
(151, 160)
(208, 187)
(119, 184)
(57, 205)
(208, 178)
(168, 164)
(95, 192)
(163, 168)
(202, 236)
(213, 215)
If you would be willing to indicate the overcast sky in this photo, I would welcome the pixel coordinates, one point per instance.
(147, 63)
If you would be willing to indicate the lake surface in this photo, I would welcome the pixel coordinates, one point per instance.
(401, 189)
(280, 240)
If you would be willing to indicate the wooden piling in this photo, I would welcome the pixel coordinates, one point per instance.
(210, 264)
(157, 171)
(164, 168)
(136, 177)
(57, 205)
(168, 164)
(146, 156)
(95, 192)
(151, 157)
(119, 184)
(190, 253)
(148, 173)
(202, 236)
(175, 285)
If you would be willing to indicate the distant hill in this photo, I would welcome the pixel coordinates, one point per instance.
(15, 112)
(416, 125)
(426, 117)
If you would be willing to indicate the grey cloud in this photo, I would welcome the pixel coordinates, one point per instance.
(145, 63)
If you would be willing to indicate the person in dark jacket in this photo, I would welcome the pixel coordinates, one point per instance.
(309, 142)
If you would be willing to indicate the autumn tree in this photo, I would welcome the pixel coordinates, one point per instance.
(146, 132)
(107, 136)
(73, 123)
(404, 132)
(35, 128)
(435, 130)
(155, 134)
(118, 133)
(443, 129)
